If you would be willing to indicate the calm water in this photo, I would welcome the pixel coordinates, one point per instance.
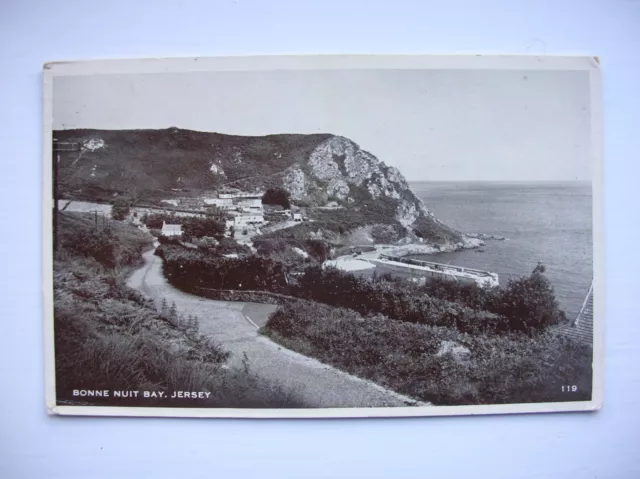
(548, 222)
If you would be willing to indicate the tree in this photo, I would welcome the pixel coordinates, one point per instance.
(193, 325)
(318, 249)
(276, 196)
(199, 227)
(529, 303)
(215, 212)
(120, 209)
(212, 211)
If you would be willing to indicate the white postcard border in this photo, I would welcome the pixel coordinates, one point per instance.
(325, 62)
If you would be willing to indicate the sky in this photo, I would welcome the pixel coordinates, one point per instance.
(433, 125)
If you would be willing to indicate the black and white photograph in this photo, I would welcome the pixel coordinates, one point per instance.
(323, 236)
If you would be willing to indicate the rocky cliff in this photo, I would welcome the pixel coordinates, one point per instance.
(317, 170)
(339, 171)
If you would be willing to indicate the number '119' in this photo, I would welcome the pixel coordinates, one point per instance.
(569, 389)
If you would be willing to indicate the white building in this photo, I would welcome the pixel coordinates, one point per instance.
(240, 195)
(248, 219)
(171, 230)
(250, 204)
(222, 203)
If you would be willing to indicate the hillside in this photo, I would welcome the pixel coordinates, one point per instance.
(316, 169)
(108, 336)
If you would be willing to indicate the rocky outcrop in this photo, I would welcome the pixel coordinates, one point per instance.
(339, 170)
(294, 182)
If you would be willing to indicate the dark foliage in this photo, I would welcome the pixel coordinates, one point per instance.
(468, 294)
(231, 246)
(276, 196)
(318, 249)
(397, 300)
(417, 360)
(193, 227)
(192, 269)
(110, 243)
(528, 303)
(174, 240)
(120, 209)
(429, 228)
(155, 220)
(526, 306)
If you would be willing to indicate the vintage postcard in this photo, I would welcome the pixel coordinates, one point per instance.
(323, 236)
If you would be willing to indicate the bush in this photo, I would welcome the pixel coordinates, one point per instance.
(190, 269)
(174, 240)
(231, 246)
(120, 209)
(398, 300)
(413, 359)
(193, 227)
(318, 249)
(155, 220)
(529, 303)
(205, 242)
(469, 294)
(110, 243)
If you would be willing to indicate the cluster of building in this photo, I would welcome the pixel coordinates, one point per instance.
(241, 208)
(244, 209)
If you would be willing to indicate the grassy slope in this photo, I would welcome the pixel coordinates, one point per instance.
(109, 337)
(150, 163)
(405, 357)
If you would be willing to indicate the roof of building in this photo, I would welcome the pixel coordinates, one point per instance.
(171, 228)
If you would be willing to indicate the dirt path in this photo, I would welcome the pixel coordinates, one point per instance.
(234, 325)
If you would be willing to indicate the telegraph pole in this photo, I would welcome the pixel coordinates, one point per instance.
(57, 147)
(56, 160)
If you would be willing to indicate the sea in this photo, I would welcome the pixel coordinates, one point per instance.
(550, 222)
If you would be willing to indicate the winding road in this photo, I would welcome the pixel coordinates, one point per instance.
(234, 325)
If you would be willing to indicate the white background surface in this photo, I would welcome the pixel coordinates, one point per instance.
(604, 444)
